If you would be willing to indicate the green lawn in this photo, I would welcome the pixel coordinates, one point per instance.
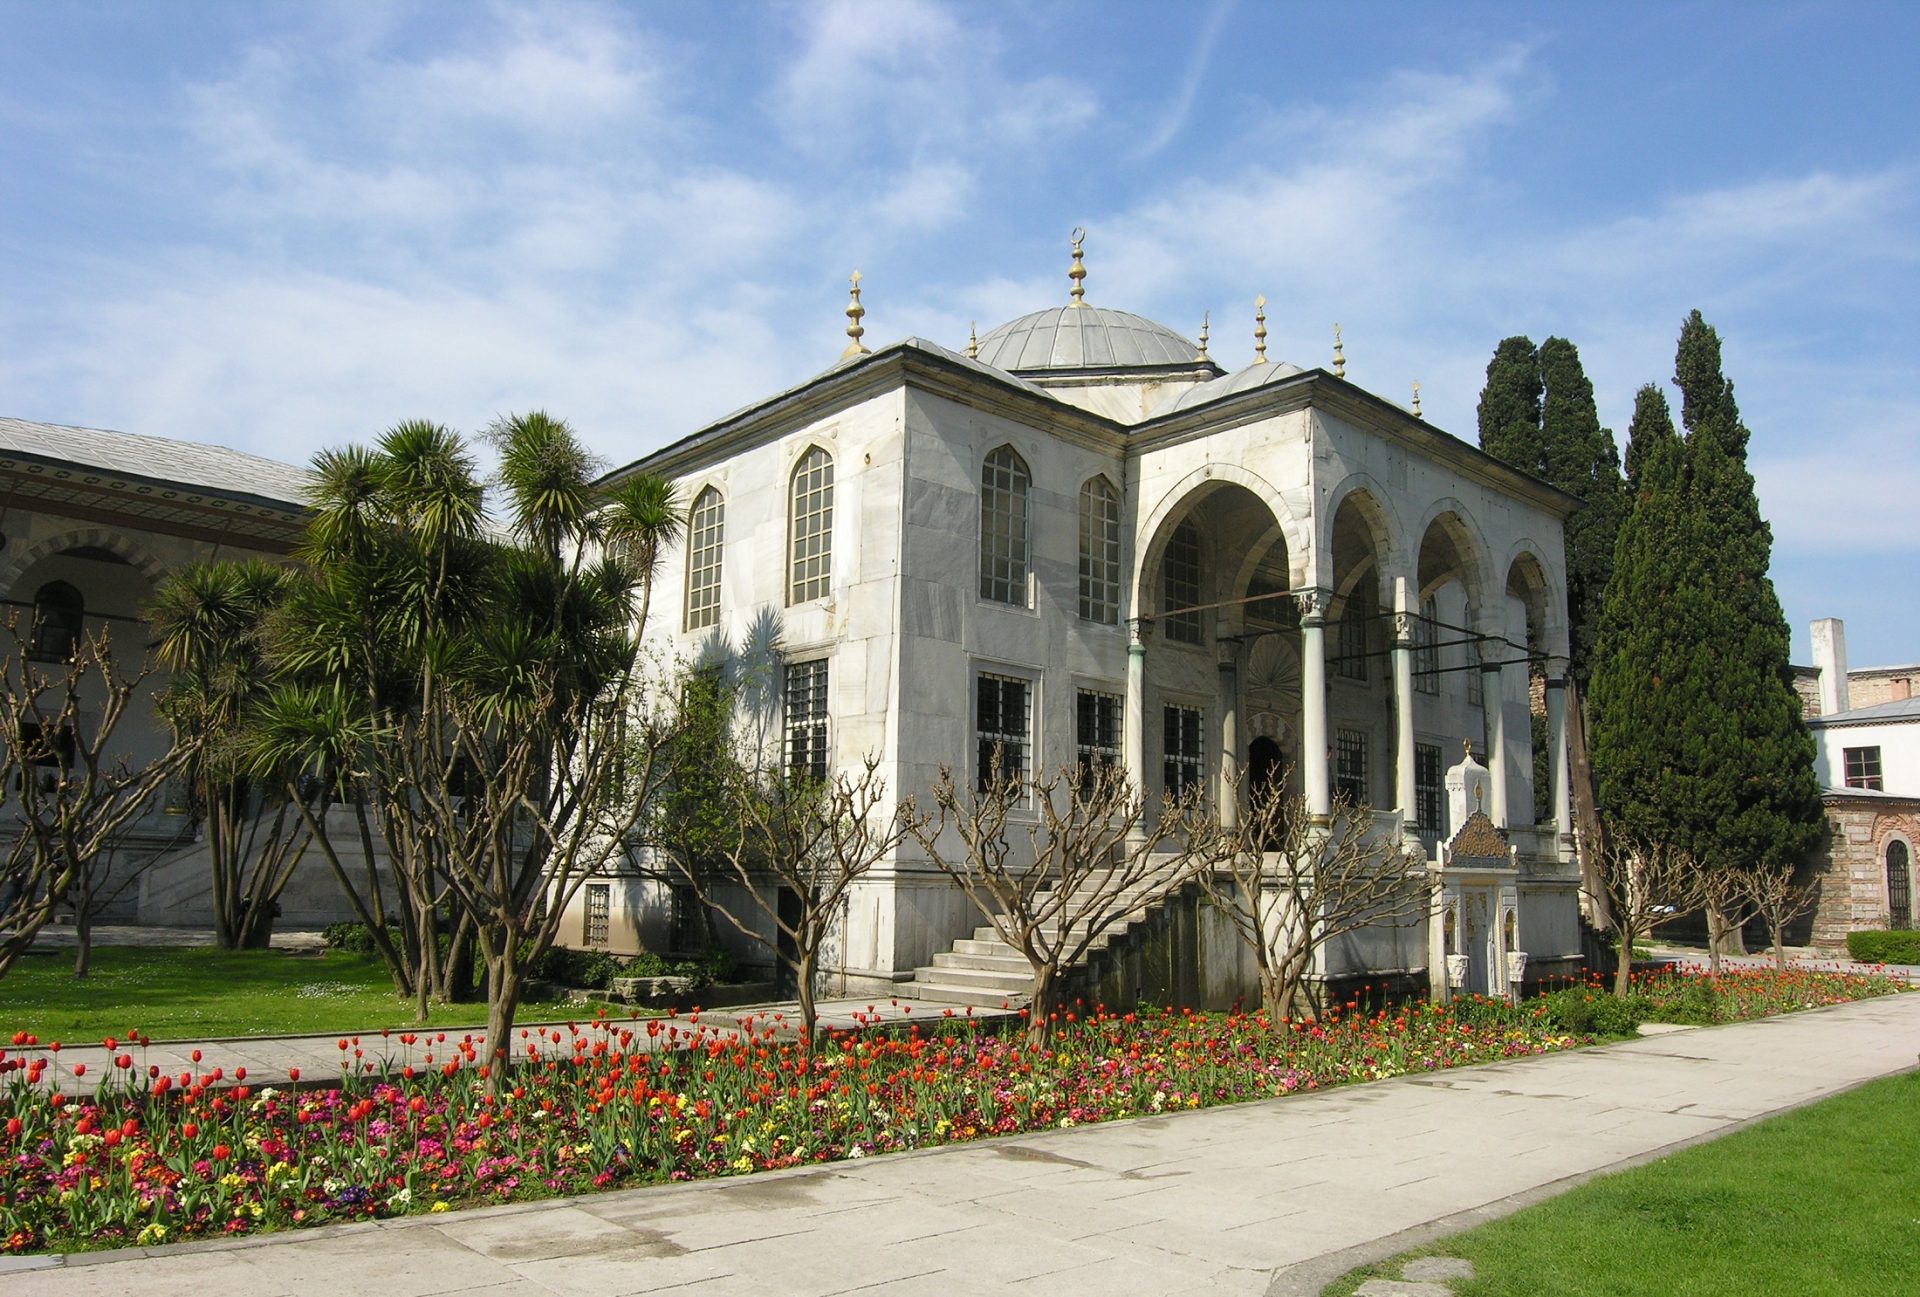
(1825, 1200)
(172, 993)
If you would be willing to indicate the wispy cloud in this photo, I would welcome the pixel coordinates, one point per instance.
(1177, 113)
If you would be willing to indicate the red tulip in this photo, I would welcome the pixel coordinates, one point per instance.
(13, 1127)
(293, 1074)
(79, 1069)
(221, 1152)
(239, 1073)
(189, 1130)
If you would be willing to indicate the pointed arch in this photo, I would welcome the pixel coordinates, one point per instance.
(1006, 485)
(810, 526)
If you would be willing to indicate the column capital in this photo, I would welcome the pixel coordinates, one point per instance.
(1313, 603)
(1403, 629)
(1139, 630)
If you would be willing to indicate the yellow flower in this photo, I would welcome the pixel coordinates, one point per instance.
(437, 1207)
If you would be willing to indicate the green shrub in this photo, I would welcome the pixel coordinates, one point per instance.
(1584, 1011)
(1878, 947)
(1686, 1001)
(355, 938)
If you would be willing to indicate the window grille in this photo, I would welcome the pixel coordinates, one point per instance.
(1427, 801)
(1426, 651)
(1182, 758)
(1181, 568)
(1350, 765)
(1004, 483)
(1100, 552)
(706, 532)
(1355, 615)
(1003, 713)
(1863, 767)
(1097, 733)
(1899, 886)
(599, 913)
(806, 718)
(810, 528)
(59, 613)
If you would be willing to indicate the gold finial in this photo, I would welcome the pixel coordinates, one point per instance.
(855, 330)
(1205, 318)
(1260, 330)
(1466, 747)
(1339, 354)
(973, 340)
(1416, 402)
(1078, 272)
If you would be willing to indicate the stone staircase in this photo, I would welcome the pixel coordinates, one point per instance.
(983, 970)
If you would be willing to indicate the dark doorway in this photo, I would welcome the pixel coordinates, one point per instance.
(1266, 772)
(786, 949)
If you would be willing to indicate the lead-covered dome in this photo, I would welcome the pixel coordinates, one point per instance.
(1082, 337)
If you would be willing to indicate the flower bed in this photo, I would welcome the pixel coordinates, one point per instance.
(148, 1158)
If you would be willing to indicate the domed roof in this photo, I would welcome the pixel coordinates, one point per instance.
(1220, 388)
(1086, 337)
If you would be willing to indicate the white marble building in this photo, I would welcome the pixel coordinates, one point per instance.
(1083, 539)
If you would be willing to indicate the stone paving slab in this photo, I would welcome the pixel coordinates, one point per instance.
(1221, 1200)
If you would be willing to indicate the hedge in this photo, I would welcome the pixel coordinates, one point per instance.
(1881, 947)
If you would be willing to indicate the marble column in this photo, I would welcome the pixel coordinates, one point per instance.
(1135, 751)
(1562, 786)
(1493, 702)
(1230, 737)
(1315, 773)
(1404, 794)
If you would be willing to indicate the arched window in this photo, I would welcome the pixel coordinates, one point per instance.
(1181, 584)
(1004, 481)
(706, 533)
(810, 528)
(1100, 551)
(1899, 886)
(58, 615)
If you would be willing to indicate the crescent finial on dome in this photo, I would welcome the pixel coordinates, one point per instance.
(1078, 271)
(1260, 329)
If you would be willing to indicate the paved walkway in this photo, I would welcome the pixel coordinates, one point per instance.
(1270, 1197)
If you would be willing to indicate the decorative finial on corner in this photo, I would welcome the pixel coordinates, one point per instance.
(973, 340)
(1416, 401)
(1466, 747)
(1339, 354)
(855, 330)
(1205, 318)
(1078, 272)
(1260, 329)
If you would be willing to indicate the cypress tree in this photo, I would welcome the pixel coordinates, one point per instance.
(1510, 406)
(1582, 460)
(1760, 800)
(1639, 731)
(1697, 738)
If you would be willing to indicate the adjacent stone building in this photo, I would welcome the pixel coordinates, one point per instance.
(1080, 539)
(1866, 731)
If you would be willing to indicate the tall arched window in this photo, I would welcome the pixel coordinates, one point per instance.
(59, 613)
(810, 528)
(1004, 482)
(1100, 551)
(1899, 886)
(1181, 584)
(706, 533)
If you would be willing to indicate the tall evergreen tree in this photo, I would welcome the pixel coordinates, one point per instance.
(1510, 406)
(1698, 741)
(1582, 460)
(1763, 802)
(1638, 735)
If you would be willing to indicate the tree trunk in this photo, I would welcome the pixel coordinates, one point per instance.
(1588, 833)
(809, 1012)
(503, 1002)
(1723, 938)
(83, 936)
(1040, 1009)
(1623, 973)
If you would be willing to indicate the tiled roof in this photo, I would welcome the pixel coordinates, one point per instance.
(1901, 709)
(212, 469)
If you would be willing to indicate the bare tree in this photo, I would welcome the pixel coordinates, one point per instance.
(1054, 864)
(1643, 886)
(1728, 898)
(808, 839)
(68, 794)
(1291, 885)
(1778, 900)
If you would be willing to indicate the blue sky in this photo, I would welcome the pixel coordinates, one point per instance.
(286, 226)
